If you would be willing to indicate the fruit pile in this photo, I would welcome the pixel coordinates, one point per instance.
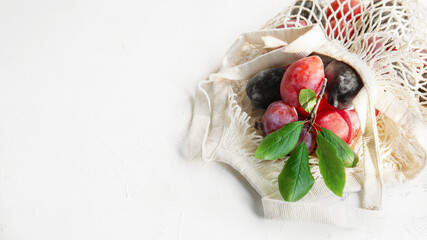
(308, 108)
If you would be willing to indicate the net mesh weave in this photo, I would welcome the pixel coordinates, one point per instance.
(388, 37)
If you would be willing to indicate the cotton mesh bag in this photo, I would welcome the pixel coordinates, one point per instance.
(385, 44)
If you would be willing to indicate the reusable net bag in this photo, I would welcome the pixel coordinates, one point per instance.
(384, 43)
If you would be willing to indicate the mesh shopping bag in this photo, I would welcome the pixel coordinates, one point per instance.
(384, 43)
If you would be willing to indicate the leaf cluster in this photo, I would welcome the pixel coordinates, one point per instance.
(295, 179)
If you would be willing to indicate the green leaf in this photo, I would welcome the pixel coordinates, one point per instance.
(296, 180)
(307, 99)
(280, 142)
(330, 166)
(344, 152)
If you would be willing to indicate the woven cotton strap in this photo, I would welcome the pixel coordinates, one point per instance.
(310, 39)
(372, 186)
(365, 105)
(339, 215)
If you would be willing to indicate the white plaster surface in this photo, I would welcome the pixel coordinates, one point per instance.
(95, 102)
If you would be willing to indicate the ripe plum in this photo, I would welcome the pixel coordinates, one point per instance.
(310, 138)
(277, 115)
(306, 73)
(343, 85)
(264, 87)
(344, 123)
(324, 105)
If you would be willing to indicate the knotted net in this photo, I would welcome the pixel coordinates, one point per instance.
(383, 40)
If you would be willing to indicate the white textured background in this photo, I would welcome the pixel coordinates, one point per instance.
(95, 101)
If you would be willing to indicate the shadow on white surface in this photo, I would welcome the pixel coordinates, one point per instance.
(256, 204)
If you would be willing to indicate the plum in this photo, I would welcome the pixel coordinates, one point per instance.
(306, 73)
(324, 105)
(277, 115)
(309, 138)
(344, 123)
(342, 86)
(264, 88)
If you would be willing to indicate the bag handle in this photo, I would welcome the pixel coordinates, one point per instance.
(310, 38)
(340, 215)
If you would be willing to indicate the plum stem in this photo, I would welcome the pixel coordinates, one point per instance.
(312, 116)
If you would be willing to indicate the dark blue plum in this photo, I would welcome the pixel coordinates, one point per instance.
(264, 87)
(343, 85)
